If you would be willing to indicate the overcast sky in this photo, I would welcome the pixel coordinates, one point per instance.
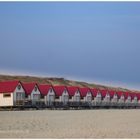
(95, 42)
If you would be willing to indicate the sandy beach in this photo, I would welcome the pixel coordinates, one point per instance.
(70, 124)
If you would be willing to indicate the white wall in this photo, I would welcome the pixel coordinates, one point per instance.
(50, 97)
(135, 100)
(98, 97)
(122, 99)
(6, 101)
(65, 96)
(10, 101)
(107, 98)
(128, 100)
(88, 97)
(35, 92)
(76, 97)
(17, 90)
(114, 99)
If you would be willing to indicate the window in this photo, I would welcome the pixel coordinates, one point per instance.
(36, 96)
(35, 88)
(6, 95)
(19, 87)
(65, 91)
(77, 98)
(98, 94)
(51, 90)
(19, 96)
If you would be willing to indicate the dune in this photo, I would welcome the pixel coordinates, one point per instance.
(70, 124)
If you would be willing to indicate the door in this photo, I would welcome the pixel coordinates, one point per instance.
(36, 98)
(18, 96)
(66, 99)
(77, 98)
(88, 98)
(51, 99)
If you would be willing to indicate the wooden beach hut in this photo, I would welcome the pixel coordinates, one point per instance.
(134, 98)
(138, 98)
(32, 92)
(128, 97)
(86, 95)
(105, 97)
(74, 94)
(121, 98)
(62, 94)
(11, 93)
(48, 93)
(113, 97)
(97, 97)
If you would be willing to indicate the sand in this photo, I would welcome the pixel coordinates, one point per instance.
(70, 124)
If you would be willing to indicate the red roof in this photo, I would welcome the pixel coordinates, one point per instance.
(112, 93)
(8, 86)
(72, 90)
(132, 94)
(28, 87)
(138, 96)
(44, 89)
(83, 91)
(94, 91)
(103, 92)
(59, 90)
(119, 93)
(126, 94)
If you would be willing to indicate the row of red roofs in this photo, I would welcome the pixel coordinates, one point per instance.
(9, 86)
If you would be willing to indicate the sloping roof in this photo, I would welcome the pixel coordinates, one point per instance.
(8, 86)
(138, 96)
(126, 94)
(112, 92)
(120, 93)
(103, 92)
(44, 89)
(94, 91)
(83, 91)
(28, 87)
(59, 90)
(132, 94)
(72, 90)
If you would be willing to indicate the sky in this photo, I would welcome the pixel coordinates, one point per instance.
(95, 42)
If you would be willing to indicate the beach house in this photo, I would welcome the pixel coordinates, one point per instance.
(97, 96)
(138, 98)
(134, 98)
(12, 93)
(74, 94)
(86, 95)
(61, 93)
(105, 97)
(32, 92)
(128, 97)
(121, 97)
(48, 93)
(113, 97)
